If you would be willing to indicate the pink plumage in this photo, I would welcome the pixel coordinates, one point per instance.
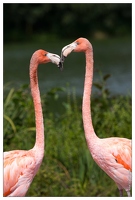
(20, 166)
(113, 155)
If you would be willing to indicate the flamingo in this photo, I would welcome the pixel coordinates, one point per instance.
(21, 166)
(112, 155)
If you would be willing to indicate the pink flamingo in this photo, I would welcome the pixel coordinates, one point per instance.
(20, 166)
(113, 155)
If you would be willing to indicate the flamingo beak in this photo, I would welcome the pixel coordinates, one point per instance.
(54, 58)
(67, 50)
(60, 65)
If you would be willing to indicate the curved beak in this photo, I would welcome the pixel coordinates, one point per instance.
(67, 50)
(55, 59)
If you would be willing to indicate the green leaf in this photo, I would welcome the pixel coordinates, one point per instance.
(10, 122)
(97, 85)
(8, 97)
(106, 77)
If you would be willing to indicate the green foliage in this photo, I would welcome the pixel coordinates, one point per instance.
(55, 20)
(68, 168)
(115, 110)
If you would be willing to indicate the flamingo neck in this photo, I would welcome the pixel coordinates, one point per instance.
(86, 109)
(39, 144)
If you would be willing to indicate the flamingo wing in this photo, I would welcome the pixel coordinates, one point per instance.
(116, 161)
(122, 152)
(19, 169)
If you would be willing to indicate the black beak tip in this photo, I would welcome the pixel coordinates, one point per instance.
(63, 58)
(60, 66)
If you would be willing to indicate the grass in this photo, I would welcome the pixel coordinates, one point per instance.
(68, 168)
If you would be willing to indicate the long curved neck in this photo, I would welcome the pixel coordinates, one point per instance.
(39, 144)
(86, 109)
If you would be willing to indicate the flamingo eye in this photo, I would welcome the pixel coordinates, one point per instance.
(46, 54)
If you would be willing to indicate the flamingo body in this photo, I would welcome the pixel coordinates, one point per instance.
(21, 166)
(113, 155)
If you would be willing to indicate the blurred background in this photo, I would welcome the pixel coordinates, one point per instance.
(28, 27)
(51, 26)
(23, 21)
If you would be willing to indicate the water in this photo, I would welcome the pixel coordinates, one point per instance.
(111, 56)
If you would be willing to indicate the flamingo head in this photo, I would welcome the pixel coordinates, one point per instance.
(41, 56)
(79, 45)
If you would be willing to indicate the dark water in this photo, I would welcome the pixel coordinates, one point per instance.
(111, 56)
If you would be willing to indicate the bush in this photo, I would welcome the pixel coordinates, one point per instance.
(68, 168)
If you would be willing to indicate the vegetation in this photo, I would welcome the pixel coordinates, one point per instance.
(22, 21)
(68, 168)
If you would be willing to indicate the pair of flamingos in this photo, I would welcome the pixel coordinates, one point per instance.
(113, 155)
